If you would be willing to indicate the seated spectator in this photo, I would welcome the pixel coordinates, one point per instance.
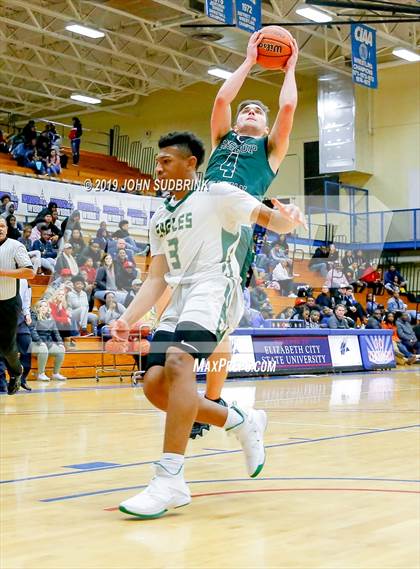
(40, 217)
(69, 223)
(7, 206)
(62, 282)
(406, 334)
(135, 287)
(335, 278)
(395, 304)
(393, 278)
(46, 341)
(92, 250)
(354, 309)
(89, 289)
(35, 256)
(78, 303)
(43, 147)
(353, 275)
(4, 146)
(371, 304)
(325, 298)
(60, 312)
(314, 319)
(56, 222)
(286, 313)
(45, 247)
(311, 304)
(103, 236)
(277, 254)
(282, 276)
(66, 260)
(54, 230)
(372, 276)
(338, 319)
(302, 313)
(117, 245)
(13, 231)
(319, 262)
(76, 239)
(375, 320)
(348, 260)
(90, 270)
(110, 311)
(53, 163)
(259, 299)
(333, 255)
(64, 159)
(29, 130)
(122, 233)
(402, 354)
(361, 259)
(106, 281)
(326, 314)
(125, 271)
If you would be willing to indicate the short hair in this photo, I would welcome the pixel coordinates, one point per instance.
(43, 228)
(5, 196)
(78, 279)
(123, 222)
(247, 102)
(186, 141)
(340, 306)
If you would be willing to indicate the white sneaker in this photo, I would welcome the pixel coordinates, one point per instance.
(58, 377)
(250, 434)
(43, 377)
(165, 491)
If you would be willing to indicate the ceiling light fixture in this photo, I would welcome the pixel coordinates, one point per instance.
(85, 99)
(85, 31)
(406, 54)
(221, 73)
(313, 14)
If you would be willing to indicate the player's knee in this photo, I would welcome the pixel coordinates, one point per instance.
(177, 362)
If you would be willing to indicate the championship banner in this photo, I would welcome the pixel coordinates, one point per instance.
(363, 56)
(377, 351)
(248, 15)
(345, 352)
(220, 10)
(290, 353)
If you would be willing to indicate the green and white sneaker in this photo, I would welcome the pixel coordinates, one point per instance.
(164, 492)
(250, 434)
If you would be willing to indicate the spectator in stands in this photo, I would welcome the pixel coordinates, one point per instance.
(75, 136)
(375, 320)
(122, 233)
(314, 319)
(406, 333)
(361, 259)
(53, 229)
(277, 254)
(69, 223)
(78, 303)
(326, 314)
(106, 280)
(302, 313)
(35, 256)
(319, 263)
(373, 278)
(312, 305)
(53, 163)
(4, 146)
(45, 247)
(354, 309)
(348, 260)
(110, 311)
(12, 228)
(135, 287)
(371, 304)
(393, 277)
(395, 304)
(333, 255)
(125, 271)
(402, 354)
(6, 206)
(43, 147)
(325, 298)
(338, 319)
(286, 313)
(336, 279)
(353, 274)
(259, 299)
(93, 251)
(29, 131)
(64, 159)
(60, 311)
(66, 260)
(76, 239)
(103, 236)
(50, 209)
(282, 276)
(46, 341)
(62, 282)
(90, 270)
(116, 245)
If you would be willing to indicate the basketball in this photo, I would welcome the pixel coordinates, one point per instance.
(116, 347)
(275, 47)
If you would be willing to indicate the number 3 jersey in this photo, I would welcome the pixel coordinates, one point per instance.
(199, 234)
(242, 161)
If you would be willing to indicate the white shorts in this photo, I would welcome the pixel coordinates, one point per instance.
(215, 304)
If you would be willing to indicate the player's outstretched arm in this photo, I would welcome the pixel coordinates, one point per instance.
(283, 219)
(221, 117)
(278, 139)
(150, 292)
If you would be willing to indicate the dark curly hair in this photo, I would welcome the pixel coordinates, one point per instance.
(185, 141)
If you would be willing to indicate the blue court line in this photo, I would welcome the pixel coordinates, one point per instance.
(203, 455)
(284, 478)
(299, 439)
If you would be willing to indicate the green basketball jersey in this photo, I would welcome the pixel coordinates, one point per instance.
(242, 161)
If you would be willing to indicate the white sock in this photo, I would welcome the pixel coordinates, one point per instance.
(172, 462)
(234, 418)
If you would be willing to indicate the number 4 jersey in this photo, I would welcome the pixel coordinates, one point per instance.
(242, 161)
(199, 234)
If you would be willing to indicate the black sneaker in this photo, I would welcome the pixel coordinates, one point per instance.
(25, 386)
(14, 385)
(199, 428)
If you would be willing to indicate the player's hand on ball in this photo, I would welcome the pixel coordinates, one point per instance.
(119, 330)
(290, 212)
(291, 62)
(252, 49)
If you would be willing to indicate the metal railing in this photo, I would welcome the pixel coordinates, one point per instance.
(133, 152)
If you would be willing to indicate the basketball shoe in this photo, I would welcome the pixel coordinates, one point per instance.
(250, 433)
(165, 491)
(199, 428)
